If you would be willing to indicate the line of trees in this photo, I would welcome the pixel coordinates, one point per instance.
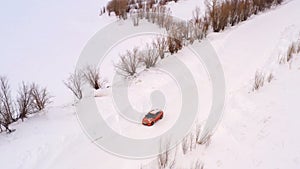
(179, 34)
(219, 14)
(122, 7)
(31, 99)
(224, 13)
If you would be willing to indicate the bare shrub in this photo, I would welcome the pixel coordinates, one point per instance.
(270, 77)
(224, 15)
(24, 101)
(214, 14)
(244, 10)
(5, 119)
(183, 28)
(135, 19)
(233, 14)
(201, 25)
(281, 59)
(278, 2)
(166, 159)
(258, 5)
(177, 30)
(189, 142)
(198, 131)
(75, 83)
(205, 26)
(197, 165)
(92, 76)
(119, 7)
(192, 145)
(149, 56)
(7, 111)
(161, 16)
(128, 63)
(141, 13)
(163, 157)
(291, 51)
(160, 43)
(259, 80)
(219, 13)
(40, 96)
(152, 17)
(168, 20)
(185, 145)
(205, 139)
(174, 40)
(197, 15)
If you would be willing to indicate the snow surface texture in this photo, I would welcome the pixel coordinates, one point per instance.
(259, 129)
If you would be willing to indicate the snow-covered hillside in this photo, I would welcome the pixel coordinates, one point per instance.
(259, 129)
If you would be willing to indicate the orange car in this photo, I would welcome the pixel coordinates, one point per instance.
(152, 117)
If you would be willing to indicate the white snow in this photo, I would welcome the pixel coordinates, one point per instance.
(258, 130)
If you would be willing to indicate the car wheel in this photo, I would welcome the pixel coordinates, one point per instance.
(161, 116)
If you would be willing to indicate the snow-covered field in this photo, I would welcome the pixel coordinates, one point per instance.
(258, 130)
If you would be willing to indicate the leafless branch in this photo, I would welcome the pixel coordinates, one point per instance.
(40, 96)
(128, 63)
(75, 83)
(92, 76)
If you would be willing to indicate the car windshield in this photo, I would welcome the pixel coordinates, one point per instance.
(150, 115)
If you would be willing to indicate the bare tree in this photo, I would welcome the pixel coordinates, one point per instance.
(174, 44)
(161, 16)
(233, 16)
(197, 165)
(183, 29)
(40, 96)
(204, 27)
(7, 111)
(291, 50)
(214, 14)
(205, 138)
(270, 77)
(75, 83)
(197, 15)
(5, 119)
(149, 56)
(192, 145)
(198, 131)
(259, 80)
(185, 145)
(135, 19)
(175, 38)
(128, 63)
(166, 157)
(160, 43)
(24, 101)
(224, 15)
(168, 20)
(92, 76)
(119, 7)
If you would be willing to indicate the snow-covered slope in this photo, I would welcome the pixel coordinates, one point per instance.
(41, 40)
(258, 130)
